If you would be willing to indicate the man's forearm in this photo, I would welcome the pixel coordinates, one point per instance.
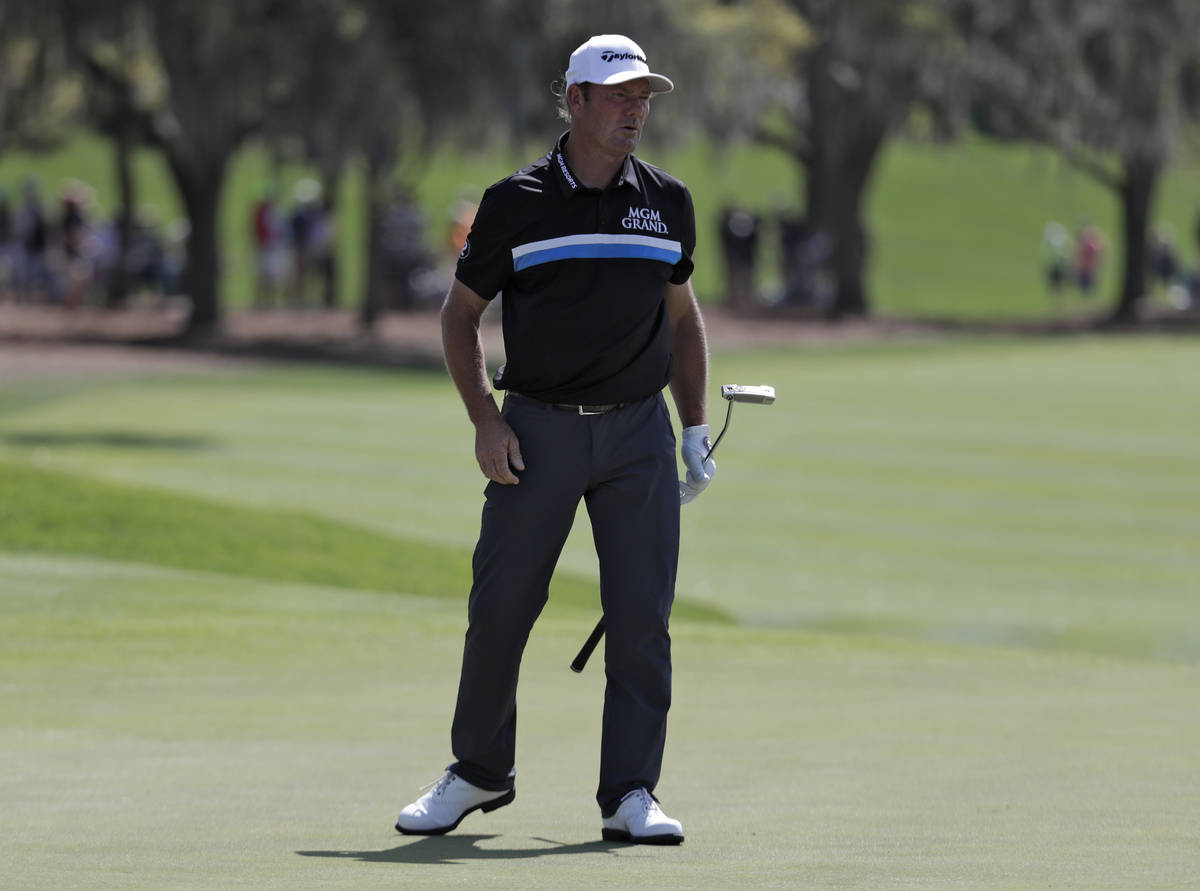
(463, 349)
(689, 381)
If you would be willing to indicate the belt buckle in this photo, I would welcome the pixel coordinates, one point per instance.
(587, 414)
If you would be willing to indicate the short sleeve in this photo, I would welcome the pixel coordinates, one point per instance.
(485, 263)
(683, 269)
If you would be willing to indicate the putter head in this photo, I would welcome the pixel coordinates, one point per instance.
(760, 394)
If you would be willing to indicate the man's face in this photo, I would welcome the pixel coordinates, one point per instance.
(612, 117)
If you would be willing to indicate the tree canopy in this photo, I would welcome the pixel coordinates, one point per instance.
(1106, 82)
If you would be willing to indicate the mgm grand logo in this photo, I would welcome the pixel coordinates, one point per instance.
(643, 219)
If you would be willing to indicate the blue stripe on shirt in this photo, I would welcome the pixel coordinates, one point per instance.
(597, 251)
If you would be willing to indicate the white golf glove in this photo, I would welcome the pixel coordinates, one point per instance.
(699, 472)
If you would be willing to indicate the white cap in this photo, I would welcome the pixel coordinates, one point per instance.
(613, 59)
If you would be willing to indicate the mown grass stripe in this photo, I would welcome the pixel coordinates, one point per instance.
(46, 512)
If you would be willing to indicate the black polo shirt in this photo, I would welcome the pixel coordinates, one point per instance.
(583, 275)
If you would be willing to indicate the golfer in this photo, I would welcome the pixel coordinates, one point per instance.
(591, 251)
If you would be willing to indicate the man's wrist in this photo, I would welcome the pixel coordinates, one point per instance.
(483, 410)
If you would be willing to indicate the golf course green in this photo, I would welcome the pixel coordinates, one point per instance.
(938, 627)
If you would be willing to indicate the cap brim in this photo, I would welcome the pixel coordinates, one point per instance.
(658, 83)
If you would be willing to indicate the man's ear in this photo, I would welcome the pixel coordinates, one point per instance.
(575, 97)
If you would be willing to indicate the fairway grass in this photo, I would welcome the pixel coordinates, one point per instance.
(43, 511)
(1035, 493)
(965, 573)
(179, 729)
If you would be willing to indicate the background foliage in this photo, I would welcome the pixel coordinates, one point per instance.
(957, 229)
(382, 92)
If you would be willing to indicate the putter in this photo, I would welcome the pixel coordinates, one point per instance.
(758, 395)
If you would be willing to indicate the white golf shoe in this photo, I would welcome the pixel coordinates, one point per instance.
(640, 820)
(449, 799)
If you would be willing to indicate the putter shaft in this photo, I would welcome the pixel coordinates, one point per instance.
(761, 395)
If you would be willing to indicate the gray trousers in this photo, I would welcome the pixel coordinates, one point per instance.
(622, 464)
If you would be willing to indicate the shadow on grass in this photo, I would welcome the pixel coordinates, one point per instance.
(111, 438)
(454, 848)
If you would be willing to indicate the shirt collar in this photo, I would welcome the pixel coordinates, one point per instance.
(570, 185)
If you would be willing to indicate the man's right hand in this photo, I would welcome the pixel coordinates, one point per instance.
(498, 451)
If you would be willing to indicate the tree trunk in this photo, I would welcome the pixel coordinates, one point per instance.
(838, 181)
(1137, 197)
(200, 189)
(380, 162)
(846, 132)
(847, 262)
(374, 290)
(850, 246)
(820, 191)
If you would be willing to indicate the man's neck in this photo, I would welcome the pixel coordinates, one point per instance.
(594, 169)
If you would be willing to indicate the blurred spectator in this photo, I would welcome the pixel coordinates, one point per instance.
(1089, 250)
(1191, 284)
(322, 239)
(175, 251)
(1163, 262)
(135, 269)
(78, 247)
(75, 257)
(78, 258)
(270, 251)
(147, 256)
(1197, 232)
(806, 252)
(739, 248)
(1167, 274)
(1056, 241)
(9, 251)
(300, 225)
(407, 265)
(108, 257)
(35, 278)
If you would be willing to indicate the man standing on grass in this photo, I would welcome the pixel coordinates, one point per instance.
(591, 250)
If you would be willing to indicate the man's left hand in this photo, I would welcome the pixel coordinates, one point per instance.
(699, 472)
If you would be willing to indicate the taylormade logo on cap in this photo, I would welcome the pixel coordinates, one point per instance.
(613, 59)
(610, 56)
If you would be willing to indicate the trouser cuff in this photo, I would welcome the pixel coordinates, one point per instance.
(482, 780)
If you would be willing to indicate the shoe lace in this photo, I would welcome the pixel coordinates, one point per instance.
(439, 785)
(645, 799)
